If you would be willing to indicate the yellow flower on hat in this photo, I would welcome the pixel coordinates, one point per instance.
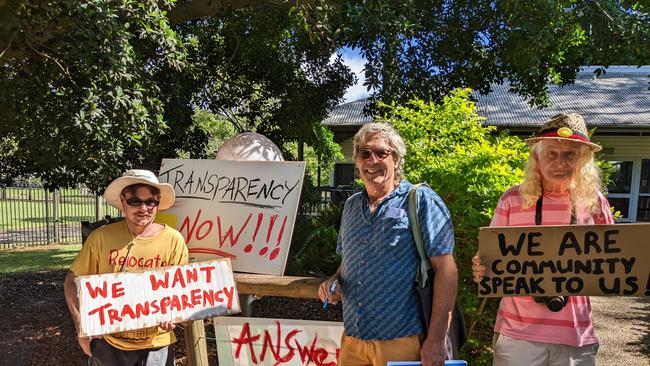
(564, 132)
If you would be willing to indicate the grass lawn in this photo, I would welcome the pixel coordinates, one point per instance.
(35, 259)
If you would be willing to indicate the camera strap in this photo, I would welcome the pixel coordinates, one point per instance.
(538, 212)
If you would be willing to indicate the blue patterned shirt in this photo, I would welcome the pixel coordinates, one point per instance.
(379, 261)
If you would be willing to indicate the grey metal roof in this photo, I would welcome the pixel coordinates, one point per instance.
(619, 99)
(348, 114)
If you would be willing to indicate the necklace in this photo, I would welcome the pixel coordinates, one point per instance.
(128, 246)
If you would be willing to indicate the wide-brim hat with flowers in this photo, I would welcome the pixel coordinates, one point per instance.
(139, 176)
(565, 127)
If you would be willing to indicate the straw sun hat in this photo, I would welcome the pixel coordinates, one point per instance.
(571, 127)
(137, 176)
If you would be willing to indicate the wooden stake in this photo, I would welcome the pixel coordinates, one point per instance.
(195, 346)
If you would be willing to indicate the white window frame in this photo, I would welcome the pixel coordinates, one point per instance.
(634, 188)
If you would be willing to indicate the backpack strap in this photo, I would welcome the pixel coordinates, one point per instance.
(425, 265)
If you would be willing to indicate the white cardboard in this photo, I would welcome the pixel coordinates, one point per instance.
(242, 210)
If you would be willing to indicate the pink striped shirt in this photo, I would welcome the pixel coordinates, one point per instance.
(521, 317)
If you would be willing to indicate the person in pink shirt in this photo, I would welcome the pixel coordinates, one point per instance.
(562, 186)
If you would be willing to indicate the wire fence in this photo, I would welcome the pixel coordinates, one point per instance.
(31, 215)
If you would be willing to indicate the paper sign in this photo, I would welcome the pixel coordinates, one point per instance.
(242, 210)
(251, 341)
(566, 260)
(116, 302)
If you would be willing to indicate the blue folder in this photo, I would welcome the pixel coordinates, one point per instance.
(418, 363)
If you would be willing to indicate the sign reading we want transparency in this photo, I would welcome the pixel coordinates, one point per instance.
(610, 260)
(123, 301)
(242, 210)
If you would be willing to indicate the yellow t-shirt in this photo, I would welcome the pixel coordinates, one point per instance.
(105, 252)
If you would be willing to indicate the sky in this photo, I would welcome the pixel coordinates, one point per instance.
(355, 61)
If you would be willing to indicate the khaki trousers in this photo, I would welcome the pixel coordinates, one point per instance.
(515, 352)
(357, 352)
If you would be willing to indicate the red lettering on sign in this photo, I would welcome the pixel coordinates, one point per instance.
(156, 283)
(186, 225)
(192, 275)
(178, 278)
(229, 233)
(310, 354)
(245, 338)
(142, 309)
(100, 311)
(113, 316)
(195, 297)
(94, 291)
(117, 290)
(208, 272)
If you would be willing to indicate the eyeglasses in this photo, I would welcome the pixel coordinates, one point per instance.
(381, 154)
(136, 202)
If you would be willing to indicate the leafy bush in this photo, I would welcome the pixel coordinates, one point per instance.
(313, 246)
(469, 166)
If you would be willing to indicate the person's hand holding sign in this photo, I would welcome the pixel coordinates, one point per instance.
(168, 326)
(478, 270)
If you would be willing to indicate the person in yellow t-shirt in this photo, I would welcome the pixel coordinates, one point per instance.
(135, 244)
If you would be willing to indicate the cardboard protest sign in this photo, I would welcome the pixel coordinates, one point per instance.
(251, 341)
(566, 260)
(242, 210)
(116, 302)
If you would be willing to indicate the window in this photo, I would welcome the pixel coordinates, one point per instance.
(643, 204)
(629, 191)
(620, 188)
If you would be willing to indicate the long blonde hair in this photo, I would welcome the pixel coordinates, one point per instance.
(584, 188)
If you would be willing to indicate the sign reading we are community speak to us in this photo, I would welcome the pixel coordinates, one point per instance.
(612, 260)
(242, 210)
(123, 301)
(251, 341)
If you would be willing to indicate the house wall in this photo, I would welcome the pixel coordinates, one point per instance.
(624, 145)
(347, 147)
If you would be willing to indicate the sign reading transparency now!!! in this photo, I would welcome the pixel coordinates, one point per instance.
(242, 210)
(595, 260)
(116, 302)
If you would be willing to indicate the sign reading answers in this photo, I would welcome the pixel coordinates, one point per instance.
(610, 260)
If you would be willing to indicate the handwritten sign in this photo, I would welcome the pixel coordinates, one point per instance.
(242, 210)
(566, 260)
(115, 302)
(251, 341)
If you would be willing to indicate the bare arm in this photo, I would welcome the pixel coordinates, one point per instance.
(70, 290)
(444, 298)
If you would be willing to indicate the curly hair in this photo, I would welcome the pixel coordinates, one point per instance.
(584, 187)
(393, 139)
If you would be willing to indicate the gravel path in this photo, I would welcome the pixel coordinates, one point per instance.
(623, 327)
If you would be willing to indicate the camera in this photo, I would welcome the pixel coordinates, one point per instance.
(553, 303)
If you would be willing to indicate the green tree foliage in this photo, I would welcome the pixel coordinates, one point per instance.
(79, 107)
(91, 88)
(469, 166)
(313, 245)
(217, 129)
(428, 48)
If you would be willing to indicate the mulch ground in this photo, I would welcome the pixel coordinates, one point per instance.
(35, 326)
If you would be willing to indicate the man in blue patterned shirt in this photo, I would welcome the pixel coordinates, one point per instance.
(379, 261)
